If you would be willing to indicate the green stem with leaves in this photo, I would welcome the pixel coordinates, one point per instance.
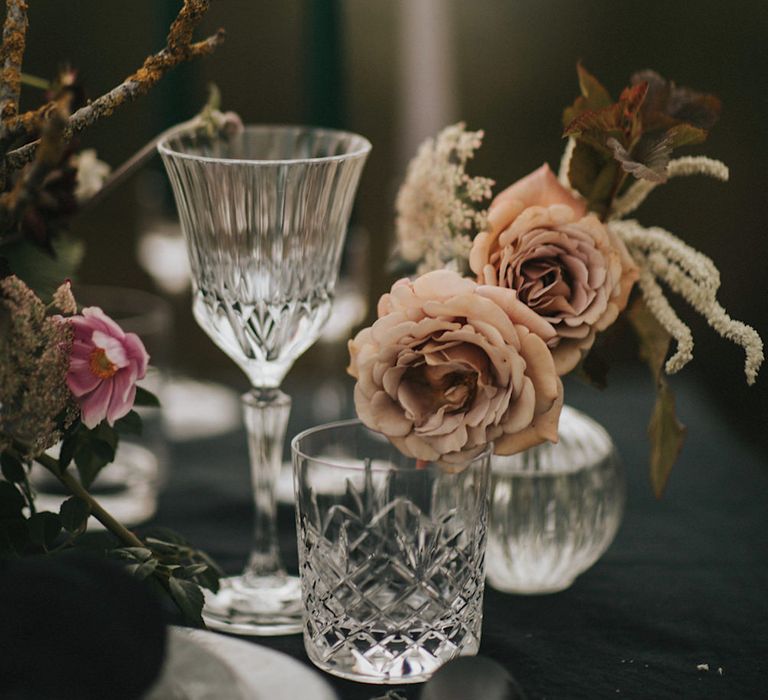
(97, 510)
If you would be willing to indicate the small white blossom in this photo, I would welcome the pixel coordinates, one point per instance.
(437, 205)
(91, 173)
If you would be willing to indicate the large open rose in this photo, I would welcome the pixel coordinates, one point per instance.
(451, 365)
(564, 264)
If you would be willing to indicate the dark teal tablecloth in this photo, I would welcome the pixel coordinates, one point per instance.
(685, 582)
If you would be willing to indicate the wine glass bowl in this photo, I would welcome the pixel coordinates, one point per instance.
(264, 212)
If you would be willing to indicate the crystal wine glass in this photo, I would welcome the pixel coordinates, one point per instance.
(264, 213)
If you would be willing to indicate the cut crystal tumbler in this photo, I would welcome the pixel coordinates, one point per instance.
(555, 508)
(391, 555)
(264, 213)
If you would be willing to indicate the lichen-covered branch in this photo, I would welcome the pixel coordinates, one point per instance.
(11, 56)
(179, 49)
(47, 157)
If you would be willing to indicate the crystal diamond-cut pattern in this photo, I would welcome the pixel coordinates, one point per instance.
(392, 579)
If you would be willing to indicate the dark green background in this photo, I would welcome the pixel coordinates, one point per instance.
(336, 63)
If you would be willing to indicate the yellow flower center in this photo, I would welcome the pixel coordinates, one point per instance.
(101, 365)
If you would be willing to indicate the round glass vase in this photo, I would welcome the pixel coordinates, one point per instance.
(391, 555)
(555, 508)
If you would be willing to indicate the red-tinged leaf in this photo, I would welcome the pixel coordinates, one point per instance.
(606, 119)
(593, 96)
(632, 98)
(648, 160)
(667, 435)
(686, 135)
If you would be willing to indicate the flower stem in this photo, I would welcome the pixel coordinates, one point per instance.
(97, 510)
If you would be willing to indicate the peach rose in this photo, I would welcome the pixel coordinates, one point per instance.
(563, 263)
(451, 365)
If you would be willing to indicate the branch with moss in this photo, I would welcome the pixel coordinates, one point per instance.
(11, 56)
(179, 48)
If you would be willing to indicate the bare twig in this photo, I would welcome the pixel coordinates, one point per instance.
(147, 151)
(179, 49)
(11, 56)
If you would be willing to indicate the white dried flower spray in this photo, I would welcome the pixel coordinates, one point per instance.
(680, 167)
(438, 212)
(691, 274)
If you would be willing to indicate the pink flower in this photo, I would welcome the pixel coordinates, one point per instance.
(104, 367)
(563, 263)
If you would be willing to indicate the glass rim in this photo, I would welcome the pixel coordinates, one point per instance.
(486, 452)
(164, 148)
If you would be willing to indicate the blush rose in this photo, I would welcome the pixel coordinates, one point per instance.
(451, 365)
(563, 263)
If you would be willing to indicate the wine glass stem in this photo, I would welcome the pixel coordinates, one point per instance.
(266, 418)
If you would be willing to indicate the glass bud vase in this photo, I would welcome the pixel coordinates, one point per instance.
(555, 508)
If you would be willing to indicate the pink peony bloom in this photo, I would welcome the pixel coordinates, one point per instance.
(104, 367)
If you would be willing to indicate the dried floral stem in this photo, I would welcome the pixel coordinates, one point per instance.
(680, 167)
(134, 162)
(694, 276)
(178, 49)
(11, 56)
(97, 510)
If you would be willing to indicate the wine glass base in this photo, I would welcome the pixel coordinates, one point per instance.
(251, 605)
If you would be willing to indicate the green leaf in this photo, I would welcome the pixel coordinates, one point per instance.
(103, 450)
(135, 553)
(142, 570)
(69, 446)
(145, 398)
(593, 174)
(665, 431)
(667, 434)
(13, 469)
(74, 514)
(129, 423)
(686, 135)
(189, 599)
(11, 501)
(105, 433)
(653, 337)
(162, 547)
(191, 571)
(44, 528)
(90, 463)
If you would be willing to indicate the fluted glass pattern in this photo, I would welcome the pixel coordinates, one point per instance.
(555, 508)
(264, 214)
(391, 555)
